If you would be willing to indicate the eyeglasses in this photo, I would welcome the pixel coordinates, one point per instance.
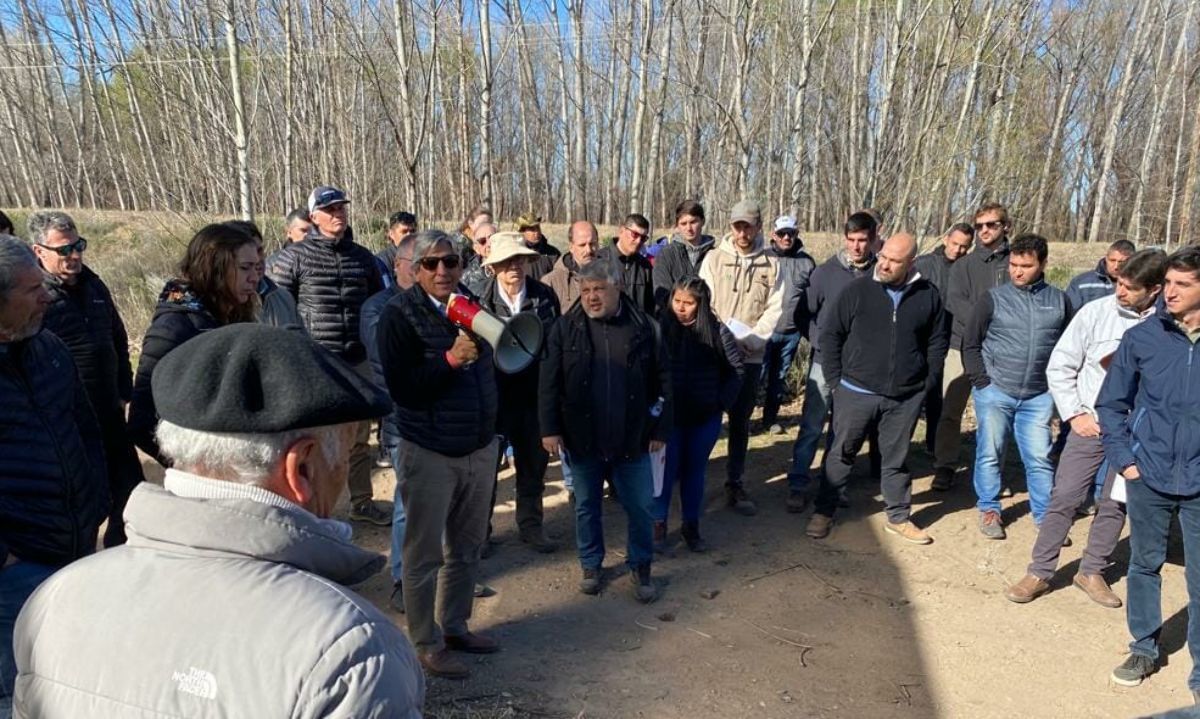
(65, 250)
(430, 264)
(993, 225)
(482, 240)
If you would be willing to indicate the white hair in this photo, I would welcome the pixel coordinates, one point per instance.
(250, 458)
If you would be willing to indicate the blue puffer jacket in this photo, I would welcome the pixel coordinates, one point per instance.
(1149, 406)
(53, 481)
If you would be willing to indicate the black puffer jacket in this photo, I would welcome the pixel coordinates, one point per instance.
(53, 482)
(566, 400)
(521, 389)
(180, 316)
(330, 281)
(85, 318)
(445, 410)
(678, 260)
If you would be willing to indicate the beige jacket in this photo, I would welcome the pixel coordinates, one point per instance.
(748, 288)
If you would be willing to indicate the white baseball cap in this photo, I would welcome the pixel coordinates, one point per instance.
(785, 222)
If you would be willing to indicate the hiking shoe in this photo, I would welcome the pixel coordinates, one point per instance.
(691, 536)
(643, 588)
(991, 526)
(444, 664)
(535, 537)
(1097, 590)
(797, 501)
(660, 537)
(1133, 670)
(1027, 590)
(397, 599)
(819, 526)
(943, 480)
(736, 497)
(908, 531)
(471, 643)
(590, 584)
(370, 511)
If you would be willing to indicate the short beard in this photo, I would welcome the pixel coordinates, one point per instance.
(24, 332)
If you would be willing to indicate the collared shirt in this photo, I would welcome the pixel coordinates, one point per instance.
(514, 304)
(1192, 335)
(439, 306)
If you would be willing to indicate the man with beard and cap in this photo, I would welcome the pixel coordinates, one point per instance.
(747, 295)
(684, 251)
(83, 315)
(564, 278)
(330, 276)
(795, 267)
(530, 227)
(879, 386)
(234, 557)
(53, 483)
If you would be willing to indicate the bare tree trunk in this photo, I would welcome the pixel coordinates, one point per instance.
(485, 105)
(664, 67)
(233, 48)
(643, 97)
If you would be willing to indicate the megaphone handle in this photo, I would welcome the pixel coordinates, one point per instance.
(463, 333)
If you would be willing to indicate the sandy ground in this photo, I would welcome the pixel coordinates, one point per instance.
(858, 625)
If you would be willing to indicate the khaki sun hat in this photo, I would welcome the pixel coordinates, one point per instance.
(506, 245)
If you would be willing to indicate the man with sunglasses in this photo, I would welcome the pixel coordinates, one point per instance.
(331, 277)
(795, 267)
(83, 315)
(475, 275)
(971, 278)
(625, 254)
(444, 386)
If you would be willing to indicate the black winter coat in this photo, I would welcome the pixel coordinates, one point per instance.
(637, 270)
(445, 410)
(180, 316)
(970, 279)
(330, 280)
(674, 263)
(520, 389)
(880, 347)
(706, 380)
(85, 318)
(566, 406)
(53, 482)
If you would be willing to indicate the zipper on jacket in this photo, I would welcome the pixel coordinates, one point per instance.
(1181, 464)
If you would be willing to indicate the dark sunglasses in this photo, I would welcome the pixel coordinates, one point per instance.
(993, 225)
(65, 250)
(637, 234)
(450, 262)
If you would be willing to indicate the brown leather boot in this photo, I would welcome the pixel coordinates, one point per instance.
(444, 664)
(1097, 590)
(1027, 590)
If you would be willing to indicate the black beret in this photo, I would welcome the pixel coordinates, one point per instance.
(253, 378)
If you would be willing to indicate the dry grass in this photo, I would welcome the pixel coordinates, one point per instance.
(135, 252)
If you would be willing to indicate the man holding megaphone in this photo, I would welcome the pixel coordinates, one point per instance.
(444, 385)
(507, 294)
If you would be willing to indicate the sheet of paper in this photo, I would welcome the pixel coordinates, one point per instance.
(739, 329)
(1118, 489)
(658, 468)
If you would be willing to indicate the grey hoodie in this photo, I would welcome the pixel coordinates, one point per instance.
(217, 607)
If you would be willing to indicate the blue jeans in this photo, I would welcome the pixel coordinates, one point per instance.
(635, 489)
(781, 352)
(1149, 527)
(812, 421)
(1029, 421)
(687, 461)
(399, 522)
(17, 583)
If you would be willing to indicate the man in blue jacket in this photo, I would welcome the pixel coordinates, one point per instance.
(1151, 434)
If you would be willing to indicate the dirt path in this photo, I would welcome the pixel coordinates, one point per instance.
(859, 625)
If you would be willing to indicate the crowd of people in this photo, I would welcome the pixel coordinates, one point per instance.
(650, 347)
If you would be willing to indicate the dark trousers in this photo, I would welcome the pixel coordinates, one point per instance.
(1149, 527)
(124, 474)
(739, 423)
(1073, 483)
(777, 362)
(520, 428)
(855, 415)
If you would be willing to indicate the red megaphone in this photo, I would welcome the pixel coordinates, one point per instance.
(515, 343)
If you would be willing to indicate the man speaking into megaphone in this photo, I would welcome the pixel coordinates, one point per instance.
(444, 385)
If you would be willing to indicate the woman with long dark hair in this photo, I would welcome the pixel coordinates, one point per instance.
(217, 285)
(706, 371)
